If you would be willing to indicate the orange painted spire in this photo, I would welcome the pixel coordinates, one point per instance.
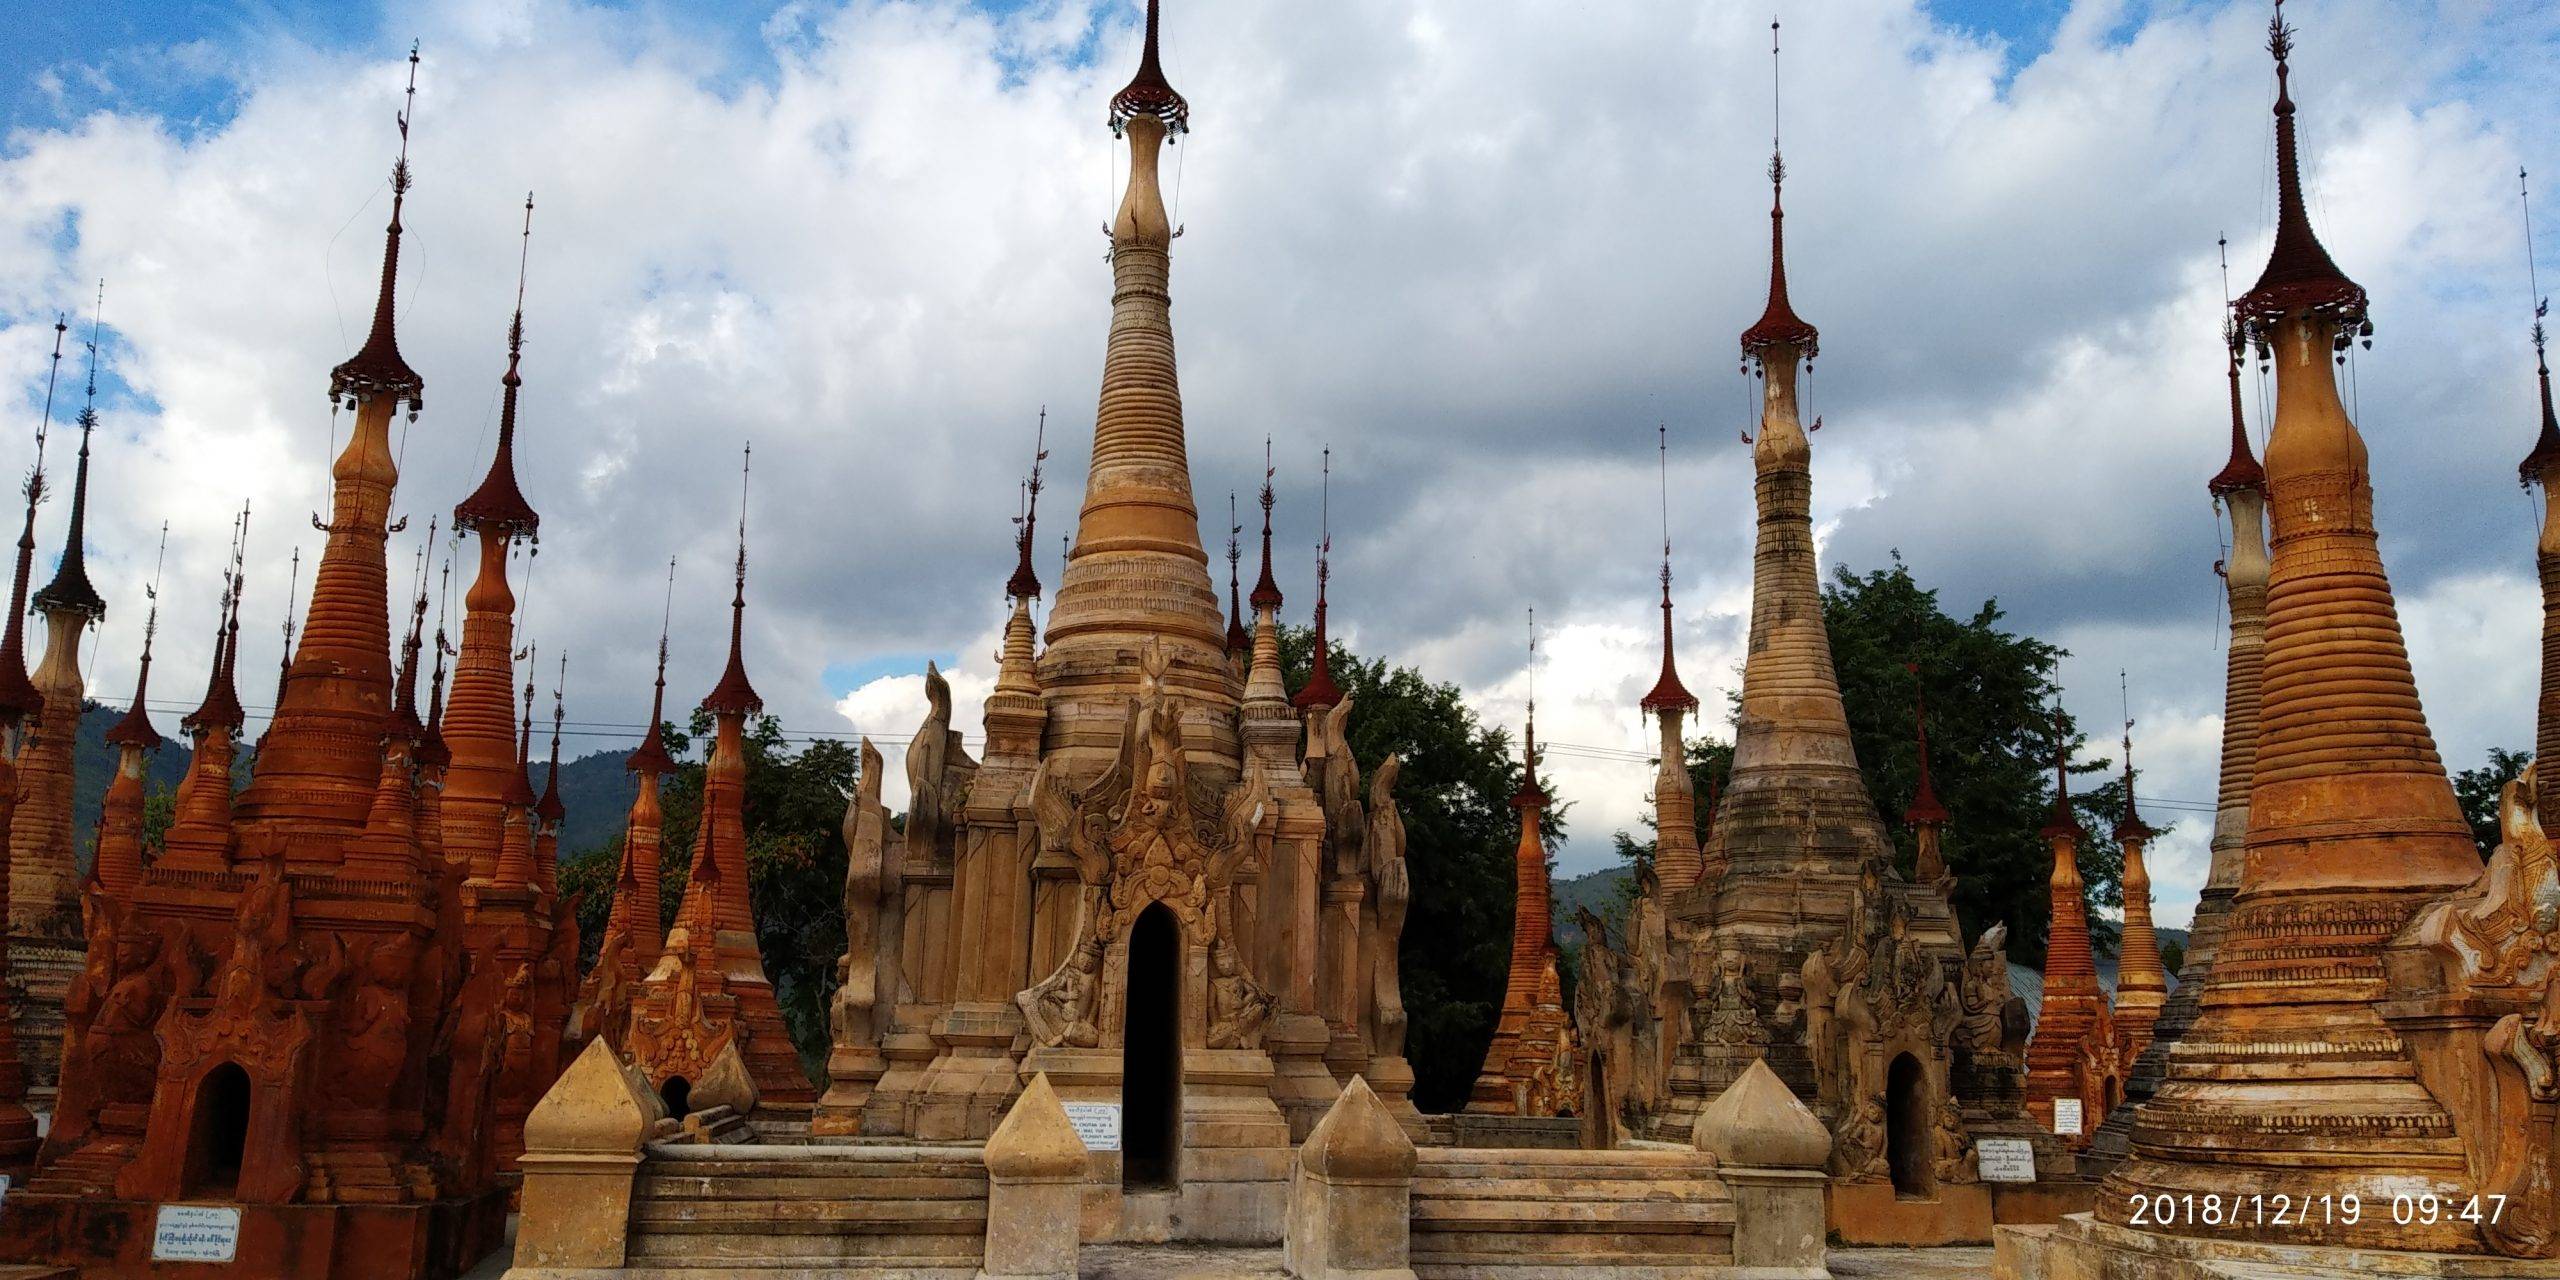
(636, 902)
(1778, 325)
(2142, 983)
(1500, 1086)
(650, 757)
(19, 697)
(199, 837)
(2541, 467)
(549, 807)
(1319, 693)
(340, 684)
(118, 865)
(499, 504)
(1926, 810)
(135, 728)
(71, 591)
(735, 695)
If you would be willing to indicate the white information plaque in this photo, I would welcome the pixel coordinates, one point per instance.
(2005, 1159)
(2066, 1116)
(196, 1233)
(1098, 1123)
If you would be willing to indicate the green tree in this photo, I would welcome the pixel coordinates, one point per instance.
(795, 865)
(1455, 796)
(2478, 790)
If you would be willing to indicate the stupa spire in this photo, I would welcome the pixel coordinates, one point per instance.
(2300, 279)
(499, 504)
(1266, 695)
(2541, 467)
(1025, 583)
(734, 695)
(70, 591)
(1238, 639)
(1668, 693)
(1499, 1088)
(220, 708)
(1137, 572)
(135, 728)
(19, 697)
(549, 808)
(376, 370)
(1779, 327)
(2242, 471)
(1319, 693)
(651, 757)
(2142, 984)
(1266, 589)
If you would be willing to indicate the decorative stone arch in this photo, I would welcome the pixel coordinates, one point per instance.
(1910, 1098)
(268, 1045)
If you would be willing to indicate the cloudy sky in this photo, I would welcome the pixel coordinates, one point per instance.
(1479, 247)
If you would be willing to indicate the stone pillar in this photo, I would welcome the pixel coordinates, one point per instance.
(582, 1154)
(1351, 1195)
(1035, 1189)
(1770, 1149)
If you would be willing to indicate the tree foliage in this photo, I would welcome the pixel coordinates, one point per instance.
(2478, 790)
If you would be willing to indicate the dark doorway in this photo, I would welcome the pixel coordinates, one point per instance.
(1907, 1128)
(678, 1093)
(1151, 1054)
(220, 1133)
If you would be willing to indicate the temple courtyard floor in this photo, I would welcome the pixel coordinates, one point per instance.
(1177, 1262)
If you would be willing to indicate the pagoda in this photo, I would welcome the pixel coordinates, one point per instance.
(2073, 1067)
(1171, 894)
(1530, 1068)
(293, 1016)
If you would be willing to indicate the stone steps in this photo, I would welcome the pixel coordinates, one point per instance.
(785, 1212)
(1530, 1214)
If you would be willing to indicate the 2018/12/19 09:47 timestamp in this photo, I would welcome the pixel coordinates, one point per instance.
(2259, 1209)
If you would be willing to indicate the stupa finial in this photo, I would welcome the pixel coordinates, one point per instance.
(499, 505)
(733, 695)
(651, 755)
(1668, 693)
(135, 729)
(1778, 325)
(376, 369)
(2537, 465)
(1148, 93)
(2300, 277)
(1025, 584)
(1319, 692)
(1266, 589)
(1238, 639)
(70, 591)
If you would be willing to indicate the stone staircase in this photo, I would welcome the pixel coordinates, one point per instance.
(807, 1212)
(1659, 1214)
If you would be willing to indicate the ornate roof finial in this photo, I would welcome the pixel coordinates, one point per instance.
(1238, 639)
(1148, 94)
(404, 698)
(1319, 692)
(651, 755)
(2242, 471)
(1778, 325)
(549, 808)
(2131, 827)
(1926, 809)
(1668, 693)
(2546, 444)
(1025, 584)
(376, 368)
(135, 730)
(2300, 277)
(70, 591)
(1530, 793)
(498, 505)
(733, 695)
(19, 697)
(432, 751)
(284, 658)
(520, 786)
(1266, 589)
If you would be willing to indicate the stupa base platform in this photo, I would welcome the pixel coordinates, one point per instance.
(1874, 1213)
(2082, 1248)
(106, 1239)
(1628, 1214)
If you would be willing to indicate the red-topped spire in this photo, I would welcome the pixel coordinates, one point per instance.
(2242, 471)
(1319, 693)
(1025, 583)
(651, 755)
(1148, 93)
(1266, 589)
(135, 729)
(1778, 325)
(70, 591)
(733, 696)
(376, 368)
(498, 505)
(1668, 693)
(549, 808)
(221, 706)
(2546, 444)
(1926, 810)
(1238, 639)
(2299, 277)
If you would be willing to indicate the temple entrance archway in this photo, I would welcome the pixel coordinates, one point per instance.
(1151, 1054)
(1907, 1127)
(220, 1133)
(678, 1095)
